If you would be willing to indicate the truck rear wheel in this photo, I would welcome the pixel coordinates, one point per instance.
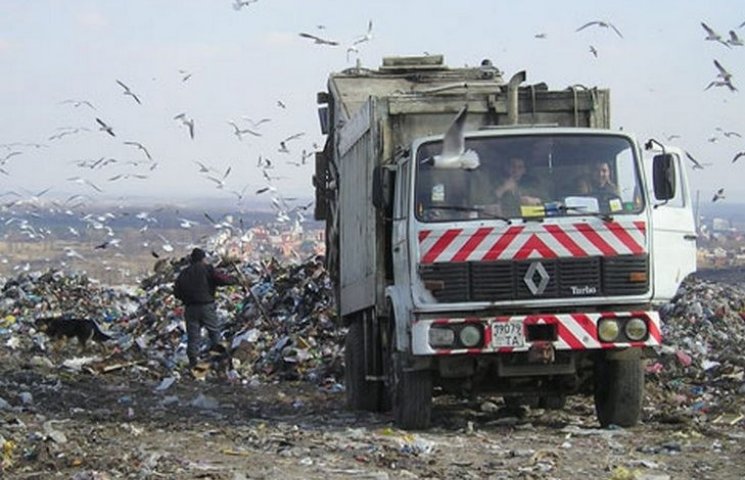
(410, 394)
(619, 391)
(362, 394)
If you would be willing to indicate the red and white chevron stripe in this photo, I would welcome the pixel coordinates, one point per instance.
(575, 331)
(532, 240)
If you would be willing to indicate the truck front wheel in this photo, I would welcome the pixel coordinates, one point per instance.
(619, 391)
(362, 394)
(410, 394)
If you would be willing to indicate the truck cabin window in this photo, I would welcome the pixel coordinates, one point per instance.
(531, 176)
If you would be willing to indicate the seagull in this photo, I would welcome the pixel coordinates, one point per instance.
(184, 75)
(367, 36)
(541, 35)
(453, 153)
(719, 195)
(239, 4)
(77, 103)
(319, 40)
(106, 128)
(141, 147)
(281, 104)
(186, 223)
(258, 123)
(85, 181)
(728, 134)
(189, 122)
(268, 188)
(723, 73)
(203, 168)
(127, 91)
(294, 136)
(738, 155)
(734, 40)
(696, 164)
(603, 24)
(9, 156)
(721, 83)
(239, 133)
(593, 51)
(713, 36)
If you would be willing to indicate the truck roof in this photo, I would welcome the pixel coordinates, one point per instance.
(408, 75)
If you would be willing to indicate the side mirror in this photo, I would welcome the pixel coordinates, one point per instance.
(663, 172)
(382, 189)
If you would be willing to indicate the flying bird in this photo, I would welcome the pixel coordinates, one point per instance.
(239, 4)
(318, 40)
(713, 36)
(734, 40)
(696, 164)
(601, 23)
(593, 51)
(78, 103)
(106, 128)
(367, 36)
(238, 132)
(541, 35)
(127, 91)
(738, 155)
(188, 122)
(141, 147)
(258, 123)
(454, 155)
(185, 75)
(723, 73)
(719, 195)
(85, 181)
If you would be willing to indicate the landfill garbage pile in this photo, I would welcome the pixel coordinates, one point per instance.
(699, 372)
(282, 328)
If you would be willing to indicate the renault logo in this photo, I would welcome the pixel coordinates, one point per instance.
(536, 269)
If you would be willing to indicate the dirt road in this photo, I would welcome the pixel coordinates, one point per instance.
(57, 424)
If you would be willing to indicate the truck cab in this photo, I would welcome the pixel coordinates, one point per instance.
(532, 273)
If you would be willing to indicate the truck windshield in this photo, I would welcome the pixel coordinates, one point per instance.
(523, 176)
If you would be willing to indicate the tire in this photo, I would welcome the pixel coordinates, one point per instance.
(619, 392)
(361, 394)
(552, 402)
(517, 401)
(410, 395)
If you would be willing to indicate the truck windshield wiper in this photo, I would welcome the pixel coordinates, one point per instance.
(582, 210)
(480, 210)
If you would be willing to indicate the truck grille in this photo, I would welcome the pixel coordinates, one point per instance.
(567, 278)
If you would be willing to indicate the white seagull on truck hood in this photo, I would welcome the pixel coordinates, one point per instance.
(454, 153)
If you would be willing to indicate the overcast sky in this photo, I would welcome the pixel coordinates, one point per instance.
(243, 62)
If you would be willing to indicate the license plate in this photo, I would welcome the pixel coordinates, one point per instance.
(508, 334)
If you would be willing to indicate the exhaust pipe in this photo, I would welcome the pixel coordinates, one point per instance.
(512, 97)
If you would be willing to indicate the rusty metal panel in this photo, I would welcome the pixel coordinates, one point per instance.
(357, 225)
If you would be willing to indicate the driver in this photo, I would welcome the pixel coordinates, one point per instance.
(601, 180)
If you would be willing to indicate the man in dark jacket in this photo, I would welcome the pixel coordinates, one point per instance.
(195, 286)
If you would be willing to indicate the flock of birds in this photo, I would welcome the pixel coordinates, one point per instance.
(285, 207)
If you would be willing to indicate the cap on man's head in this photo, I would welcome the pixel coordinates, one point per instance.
(197, 254)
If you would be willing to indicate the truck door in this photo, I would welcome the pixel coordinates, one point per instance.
(401, 224)
(673, 236)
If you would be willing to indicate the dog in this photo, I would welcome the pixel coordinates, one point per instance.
(84, 329)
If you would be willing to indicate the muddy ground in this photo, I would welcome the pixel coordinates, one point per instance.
(61, 424)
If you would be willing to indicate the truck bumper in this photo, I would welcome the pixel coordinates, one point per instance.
(506, 334)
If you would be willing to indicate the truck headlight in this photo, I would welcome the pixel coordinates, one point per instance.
(608, 329)
(470, 336)
(635, 329)
(441, 337)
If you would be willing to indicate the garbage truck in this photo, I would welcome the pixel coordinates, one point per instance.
(531, 271)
